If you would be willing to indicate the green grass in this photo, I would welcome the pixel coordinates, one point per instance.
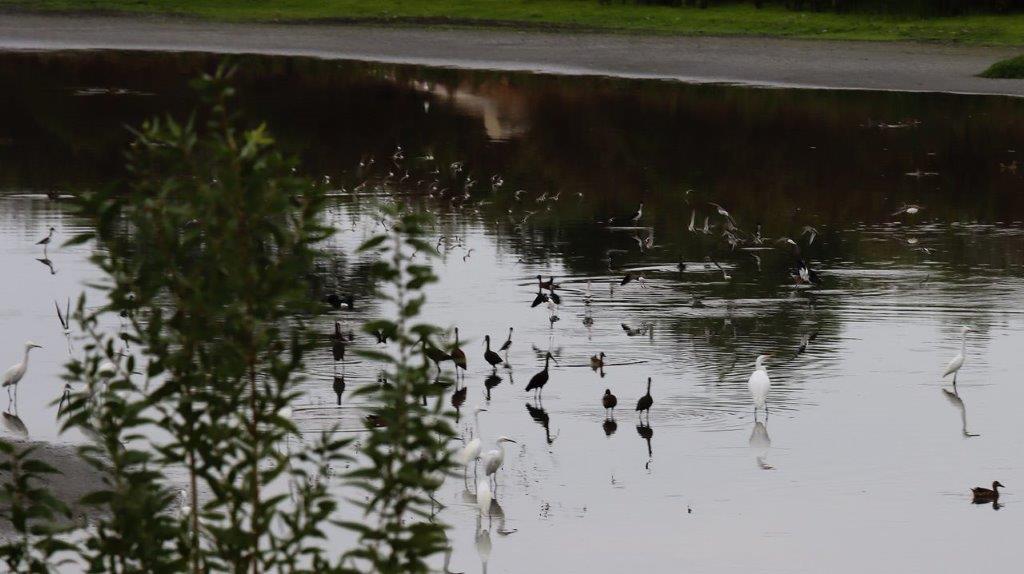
(1009, 68)
(730, 20)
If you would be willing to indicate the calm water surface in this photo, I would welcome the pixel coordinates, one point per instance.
(867, 457)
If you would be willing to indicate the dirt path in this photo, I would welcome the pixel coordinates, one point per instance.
(755, 61)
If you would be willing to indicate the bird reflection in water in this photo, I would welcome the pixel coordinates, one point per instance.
(538, 414)
(49, 264)
(610, 426)
(954, 399)
(458, 399)
(490, 382)
(760, 443)
(13, 423)
(646, 432)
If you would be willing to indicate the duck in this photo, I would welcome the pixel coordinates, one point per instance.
(983, 495)
(597, 361)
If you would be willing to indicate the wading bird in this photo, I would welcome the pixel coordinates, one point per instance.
(759, 384)
(508, 343)
(471, 452)
(953, 368)
(436, 355)
(609, 401)
(540, 379)
(645, 403)
(14, 374)
(493, 359)
(493, 459)
(338, 342)
(45, 242)
(457, 354)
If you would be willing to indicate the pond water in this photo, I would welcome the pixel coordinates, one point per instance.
(867, 456)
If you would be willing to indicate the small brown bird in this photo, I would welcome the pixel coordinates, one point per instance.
(609, 401)
(984, 495)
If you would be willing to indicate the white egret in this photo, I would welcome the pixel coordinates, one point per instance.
(495, 458)
(759, 384)
(958, 361)
(14, 374)
(471, 452)
(484, 497)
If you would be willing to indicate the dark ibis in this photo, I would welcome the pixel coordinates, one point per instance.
(540, 379)
(493, 359)
(436, 355)
(644, 404)
(338, 342)
(458, 355)
(336, 301)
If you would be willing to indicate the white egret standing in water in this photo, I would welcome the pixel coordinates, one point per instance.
(495, 458)
(759, 384)
(471, 452)
(958, 361)
(14, 374)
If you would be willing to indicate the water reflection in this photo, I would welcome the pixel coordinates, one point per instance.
(954, 399)
(540, 416)
(646, 432)
(891, 289)
(760, 443)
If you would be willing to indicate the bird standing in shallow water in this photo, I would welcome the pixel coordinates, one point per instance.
(338, 341)
(436, 355)
(759, 384)
(609, 401)
(984, 495)
(471, 452)
(45, 242)
(493, 459)
(507, 345)
(540, 379)
(493, 359)
(458, 356)
(645, 403)
(953, 368)
(14, 374)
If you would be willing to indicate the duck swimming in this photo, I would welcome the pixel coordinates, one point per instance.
(985, 495)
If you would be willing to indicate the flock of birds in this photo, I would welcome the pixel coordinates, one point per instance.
(718, 223)
(472, 455)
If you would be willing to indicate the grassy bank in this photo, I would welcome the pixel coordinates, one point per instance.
(741, 19)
